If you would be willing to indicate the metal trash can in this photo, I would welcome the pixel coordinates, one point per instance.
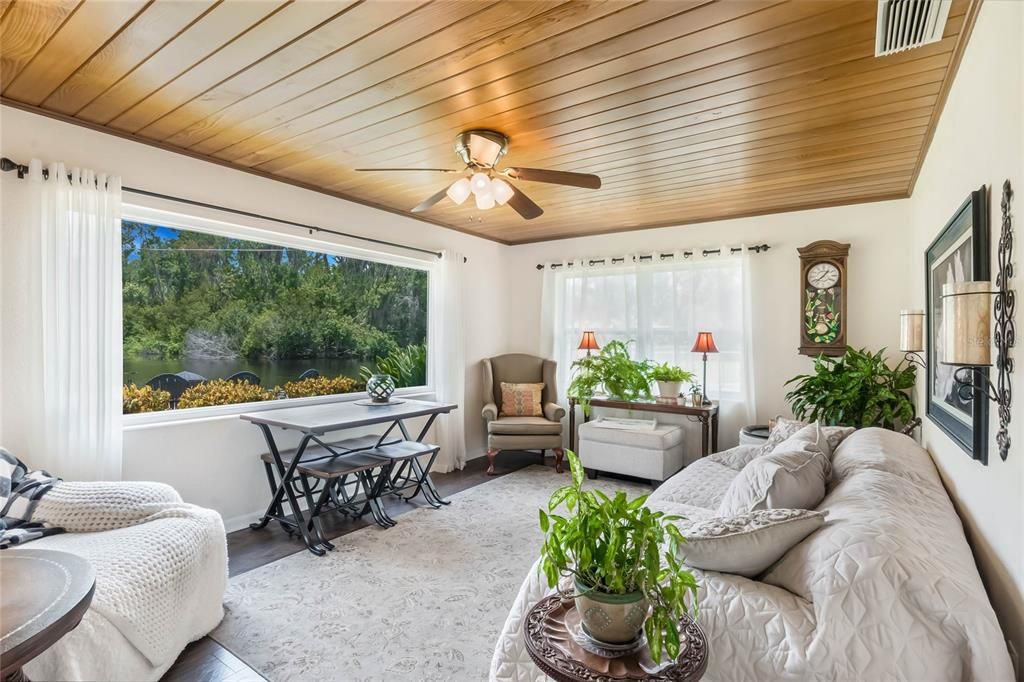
(754, 434)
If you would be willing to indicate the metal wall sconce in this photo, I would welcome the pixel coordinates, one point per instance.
(912, 336)
(967, 331)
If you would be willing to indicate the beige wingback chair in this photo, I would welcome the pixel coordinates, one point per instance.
(522, 433)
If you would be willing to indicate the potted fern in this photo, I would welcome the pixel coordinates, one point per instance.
(613, 371)
(623, 558)
(670, 379)
(857, 389)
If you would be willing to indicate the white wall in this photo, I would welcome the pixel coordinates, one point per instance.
(980, 140)
(213, 461)
(878, 281)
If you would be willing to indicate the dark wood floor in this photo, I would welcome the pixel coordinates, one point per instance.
(207, 661)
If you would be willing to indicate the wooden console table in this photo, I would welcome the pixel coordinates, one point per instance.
(707, 415)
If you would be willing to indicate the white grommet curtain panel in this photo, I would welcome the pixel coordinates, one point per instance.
(447, 358)
(61, 336)
(659, 304)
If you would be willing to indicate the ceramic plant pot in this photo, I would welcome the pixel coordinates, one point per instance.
(670, 389)
(611, 618)
(380, 387)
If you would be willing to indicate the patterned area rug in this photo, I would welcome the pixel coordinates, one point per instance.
(424, 600)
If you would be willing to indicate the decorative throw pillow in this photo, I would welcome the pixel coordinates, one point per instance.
(793, 476)
(783, 429)
(521, 400)
(746, 544)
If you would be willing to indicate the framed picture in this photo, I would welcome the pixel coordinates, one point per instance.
(959, 254)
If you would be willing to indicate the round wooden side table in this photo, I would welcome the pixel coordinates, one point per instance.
(552, 646)
(43, 596)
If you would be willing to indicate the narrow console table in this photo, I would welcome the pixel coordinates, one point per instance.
(707, 415)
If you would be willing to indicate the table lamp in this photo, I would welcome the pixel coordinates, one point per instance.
(705, 344)
(589, 342)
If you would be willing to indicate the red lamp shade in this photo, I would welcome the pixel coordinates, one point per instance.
(589, 342)
(705, 343)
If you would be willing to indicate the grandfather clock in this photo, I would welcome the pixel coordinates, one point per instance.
(823, 286)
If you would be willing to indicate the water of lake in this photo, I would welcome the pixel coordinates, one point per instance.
(139, 370)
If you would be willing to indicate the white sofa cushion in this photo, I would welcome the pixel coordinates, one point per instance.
(793, 476)
(746, 544)
(701, 484)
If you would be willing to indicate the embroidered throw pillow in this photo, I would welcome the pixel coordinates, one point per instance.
(521, 400)
(783, 429)
(746, 544)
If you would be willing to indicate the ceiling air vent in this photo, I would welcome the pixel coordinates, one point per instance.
(905, 24)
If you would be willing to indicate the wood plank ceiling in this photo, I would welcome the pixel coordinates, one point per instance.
(689, 110)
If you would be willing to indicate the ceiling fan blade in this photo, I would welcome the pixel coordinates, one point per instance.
(404, 170)
(524, 205)
(427, 203)
(585, 180)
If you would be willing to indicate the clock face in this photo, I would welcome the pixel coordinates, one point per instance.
(823, 276)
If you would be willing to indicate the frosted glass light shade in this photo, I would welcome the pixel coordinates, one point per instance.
(480, 183)
(501, 191)
(911, 331)
(459, 191)
(484, 200)
(967, 323)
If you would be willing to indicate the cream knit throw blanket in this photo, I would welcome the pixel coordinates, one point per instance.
(148, 599)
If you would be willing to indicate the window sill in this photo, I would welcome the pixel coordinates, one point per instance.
(131, 422)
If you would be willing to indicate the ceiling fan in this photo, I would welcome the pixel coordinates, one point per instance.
(481, 150)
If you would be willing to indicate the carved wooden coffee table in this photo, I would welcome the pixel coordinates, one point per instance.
(43, 596)
(553, 648)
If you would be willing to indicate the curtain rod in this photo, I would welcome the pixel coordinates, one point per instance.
(7, 165)
(757, 248)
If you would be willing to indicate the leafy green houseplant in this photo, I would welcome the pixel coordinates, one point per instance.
(857, 389)
(623, 558)
(614, 371)
(670, 379)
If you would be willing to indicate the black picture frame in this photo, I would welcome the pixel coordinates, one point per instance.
(962, 245)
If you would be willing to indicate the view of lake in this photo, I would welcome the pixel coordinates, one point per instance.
(272, 373)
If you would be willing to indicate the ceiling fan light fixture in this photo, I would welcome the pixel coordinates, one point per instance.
(501, 191)
(459, 191)
(480, 183)
(484, 200)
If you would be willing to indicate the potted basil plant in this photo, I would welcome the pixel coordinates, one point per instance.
(623, 558)
(670, 379)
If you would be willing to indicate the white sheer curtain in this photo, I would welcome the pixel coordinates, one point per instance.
(660, 305)
(447, 355)
(62, 322)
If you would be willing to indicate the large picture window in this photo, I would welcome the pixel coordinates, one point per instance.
(212, 320)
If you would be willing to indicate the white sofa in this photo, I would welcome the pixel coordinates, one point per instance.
(161, 572)
(886, 590)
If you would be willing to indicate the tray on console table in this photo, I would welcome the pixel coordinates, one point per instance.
(553, 648)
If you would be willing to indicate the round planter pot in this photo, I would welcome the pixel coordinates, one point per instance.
(611, 618)
(670, 389)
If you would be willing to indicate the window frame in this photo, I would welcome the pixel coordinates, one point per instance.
(268, 232)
